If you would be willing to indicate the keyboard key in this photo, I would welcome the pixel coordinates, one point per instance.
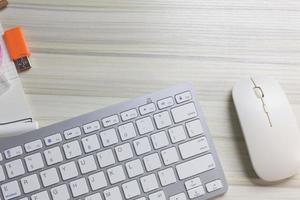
(106, 158)
(13, 152)
(152, 162)
(91, 127)
(40, 196)
(142, 198)
(145, 125)
(111, 120)
(1, 157)
(14, 168)
(97, 181)
(34, 145)
(49, 177)
(184, 112)
(68, 170)
(2, 175)
(167, 176)
(162, 120)
(10, 190)
(159, 140)
(127, 131)
(182, 97)
(195, 166)
(124, 152)
(164, 103)
(129, 114)
(116, 174)
(72, 133)
(190, 184)
(131, 189)
(214, 185)
(180, 196)
(113, 194)
(142, 146)
(79, 187)
(30, 183)
(72, 149)
(196, 192)
(90, 143)
(177, 134)
(53, 139)
(53, 156)
(87, 164)
(149, 183)
(148, 108)
(194, 128)
(157, 196)
(34, 162)
(109, 137)
(134, 168)
(60, 193)
(193, 147)
(170, 156)
(96, 196)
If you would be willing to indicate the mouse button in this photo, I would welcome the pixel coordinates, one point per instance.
(258, 92)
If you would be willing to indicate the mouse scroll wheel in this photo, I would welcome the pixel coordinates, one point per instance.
(258, 92)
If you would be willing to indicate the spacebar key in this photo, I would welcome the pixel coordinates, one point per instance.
(195, 166)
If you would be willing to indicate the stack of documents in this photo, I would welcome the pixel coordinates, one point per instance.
(15, 114)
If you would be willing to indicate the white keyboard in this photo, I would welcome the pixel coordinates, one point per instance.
(155, 147)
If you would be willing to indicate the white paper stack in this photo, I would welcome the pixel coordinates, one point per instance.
(15, 114)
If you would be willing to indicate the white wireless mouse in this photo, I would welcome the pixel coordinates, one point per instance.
(269, 126)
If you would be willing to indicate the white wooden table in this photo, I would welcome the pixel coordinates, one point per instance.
(91, 54)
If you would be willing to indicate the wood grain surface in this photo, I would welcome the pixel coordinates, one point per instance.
(88, 54)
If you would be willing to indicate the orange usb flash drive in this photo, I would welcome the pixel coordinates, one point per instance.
(18, 48)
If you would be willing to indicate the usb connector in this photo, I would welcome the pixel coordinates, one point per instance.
(22, 64)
